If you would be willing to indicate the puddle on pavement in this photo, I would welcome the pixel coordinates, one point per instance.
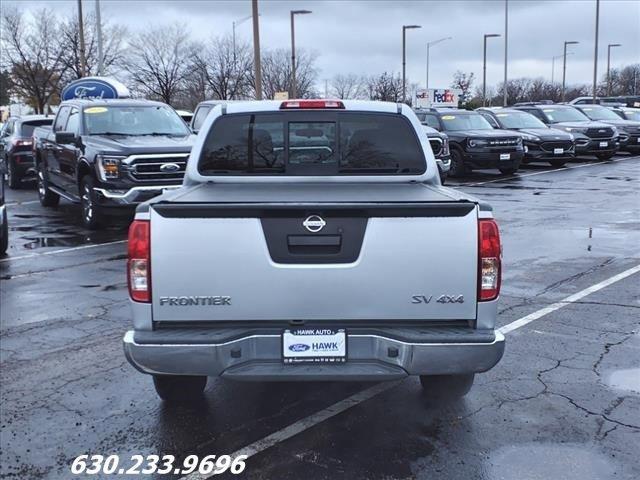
(536, 461)
(627, 380)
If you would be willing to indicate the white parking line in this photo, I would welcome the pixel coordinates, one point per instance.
(561, 169)
(22, 203)
(63, 250)
(343, 405)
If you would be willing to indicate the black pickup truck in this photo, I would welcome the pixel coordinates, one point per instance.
(110, 155)
(473, 142)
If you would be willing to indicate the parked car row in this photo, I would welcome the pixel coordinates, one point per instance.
(504, 138)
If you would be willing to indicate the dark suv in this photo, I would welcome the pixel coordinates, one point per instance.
(16, 146)
(592, 138)
(473, 142)
(628, 130)
(542, 144)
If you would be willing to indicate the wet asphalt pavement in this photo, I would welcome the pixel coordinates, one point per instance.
(564, 402)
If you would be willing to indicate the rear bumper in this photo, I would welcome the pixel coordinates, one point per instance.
(258, 356)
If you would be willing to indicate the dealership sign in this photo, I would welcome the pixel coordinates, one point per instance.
(95, 87)
(438, 97)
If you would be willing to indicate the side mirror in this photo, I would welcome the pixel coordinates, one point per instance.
(65, 138)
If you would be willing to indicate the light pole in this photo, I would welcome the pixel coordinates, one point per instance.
(293, 13)
(404, 58)
(506, 44)
(609, 65)
(99, 35)
(235, 24)
(564, 64)
(484, 67)
(435, 42)
(256, 48)
(595, 52)
(83, 57)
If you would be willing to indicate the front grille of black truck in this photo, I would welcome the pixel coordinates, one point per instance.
(551, 146)
(599, 132)
(503, 142)
(165, 167)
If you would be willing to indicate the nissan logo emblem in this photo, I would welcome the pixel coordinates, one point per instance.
(170, 167)
(314, 223)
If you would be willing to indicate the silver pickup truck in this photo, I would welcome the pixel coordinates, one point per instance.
(312, 240)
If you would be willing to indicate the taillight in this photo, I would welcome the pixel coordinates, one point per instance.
(139, 262)
(489, 260)
(310, 104)
(21, 143)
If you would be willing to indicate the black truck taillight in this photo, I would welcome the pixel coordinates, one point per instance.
(139, 261)
(489, 260)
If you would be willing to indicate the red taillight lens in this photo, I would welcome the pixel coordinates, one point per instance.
(310, 104)
(489, 260)
(139, 263)
(21, 143)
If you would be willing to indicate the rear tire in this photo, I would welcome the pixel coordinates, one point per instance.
(4, 241)
(46, 196)
(605, 156)
(458, 168)
(442, 387)
(13, 179)
(557, 163)
(179, 389)
(92, 217)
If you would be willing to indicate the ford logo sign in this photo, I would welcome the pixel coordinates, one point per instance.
(299, 347)
(170, 167)
(95, 88)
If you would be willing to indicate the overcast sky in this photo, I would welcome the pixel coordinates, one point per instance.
(365, 37)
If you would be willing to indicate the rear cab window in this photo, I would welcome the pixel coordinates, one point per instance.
(312, 143)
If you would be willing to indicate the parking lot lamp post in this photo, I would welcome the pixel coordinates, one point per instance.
(428, 47)
(609, 65)
(294, 92)
(595, 52)
(506, 45)
(484, 67)
(256, 48)
(404, 58)
(564, 65)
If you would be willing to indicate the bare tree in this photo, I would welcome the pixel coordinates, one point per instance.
(227, 71)
(348, 86)
(113, 48)
(276, 72)
(464, 82)
(159, 61)
(385, 87)
(32, 53)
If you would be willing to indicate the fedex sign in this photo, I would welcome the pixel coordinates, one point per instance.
(438, 97)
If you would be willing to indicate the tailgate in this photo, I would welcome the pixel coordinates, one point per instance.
(232, 262)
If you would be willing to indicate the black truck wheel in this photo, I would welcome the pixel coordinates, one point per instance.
(179, 389)
(92, 217)
(14, 180)
(457, 164)
(46, 196)
(446, 386)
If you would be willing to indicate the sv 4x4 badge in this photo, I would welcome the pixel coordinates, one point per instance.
(441, 299)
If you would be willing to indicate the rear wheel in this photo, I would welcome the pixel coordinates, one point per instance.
(46, 196)
(604, 156)
(14, 180)
(447, 386)
(557, 163)
(457, 164)
(179, 389)
(92, 218)
(4, 239)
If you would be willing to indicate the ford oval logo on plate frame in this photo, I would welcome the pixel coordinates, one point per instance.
(299, 347)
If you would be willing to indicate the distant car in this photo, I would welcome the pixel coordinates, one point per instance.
(4, 226)
(592, 138)
(542, 143)
(16, 145)
(627, 113)
(473, 142)
(628, 130)
(185, 115)
(440, 146)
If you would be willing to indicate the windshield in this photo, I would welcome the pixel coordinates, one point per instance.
(519, 120)
(632, 115)
(465, 121)
(599, 113)
(564, 114)
(312, 143)
(134, 120)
